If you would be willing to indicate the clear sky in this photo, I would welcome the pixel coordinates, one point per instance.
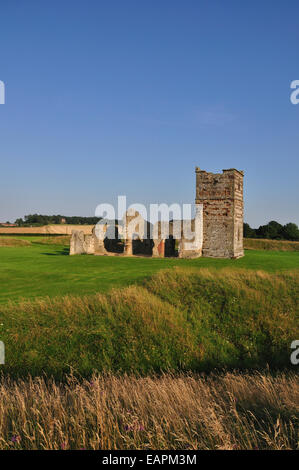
(105, 98)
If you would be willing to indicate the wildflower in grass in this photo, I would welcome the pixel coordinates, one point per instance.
(63, 445)
(135, 427)
(16, 439)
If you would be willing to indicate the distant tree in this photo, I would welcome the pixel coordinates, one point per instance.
(290, 231)
(248, 232)
(19, 222)
(273, 231)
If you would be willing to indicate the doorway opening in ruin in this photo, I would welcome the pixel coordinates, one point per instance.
(112, 242)
(142, 247)
(171, 247)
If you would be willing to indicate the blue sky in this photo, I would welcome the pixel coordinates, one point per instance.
(127, 97)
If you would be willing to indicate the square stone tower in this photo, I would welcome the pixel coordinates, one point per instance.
(222, 198)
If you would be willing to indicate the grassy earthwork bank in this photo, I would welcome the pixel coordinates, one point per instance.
(142, 353)
(90, 313)
(182, 319)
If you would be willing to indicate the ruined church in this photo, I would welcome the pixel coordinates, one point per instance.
(216, 230)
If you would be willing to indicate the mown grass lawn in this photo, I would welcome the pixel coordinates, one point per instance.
(47, 270)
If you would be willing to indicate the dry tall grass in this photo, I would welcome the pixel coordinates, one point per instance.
(232, 411)
(54, 240)
(43, 240)
(8, 241)
(273, 245)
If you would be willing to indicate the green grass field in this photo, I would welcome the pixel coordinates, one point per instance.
(45, 269)
(95, 313)
(181, 319)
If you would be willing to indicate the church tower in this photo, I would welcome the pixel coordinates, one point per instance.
(222, 198)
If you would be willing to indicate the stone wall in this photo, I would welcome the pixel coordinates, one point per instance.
(77, 243)
(192, 235)
(222, 198)
(82, 244)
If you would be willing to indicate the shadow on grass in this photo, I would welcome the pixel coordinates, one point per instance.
(63, 252)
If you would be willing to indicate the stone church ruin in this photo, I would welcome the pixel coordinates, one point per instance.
(216, 230)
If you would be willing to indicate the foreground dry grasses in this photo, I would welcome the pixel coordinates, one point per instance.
(231, 411)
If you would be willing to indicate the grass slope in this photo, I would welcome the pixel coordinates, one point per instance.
(182, 319)
(43, 269)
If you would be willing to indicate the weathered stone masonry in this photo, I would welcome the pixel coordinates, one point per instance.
(222, 199)
(218, 223)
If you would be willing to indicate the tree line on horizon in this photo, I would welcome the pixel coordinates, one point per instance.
(37, 220)
(273, 230)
